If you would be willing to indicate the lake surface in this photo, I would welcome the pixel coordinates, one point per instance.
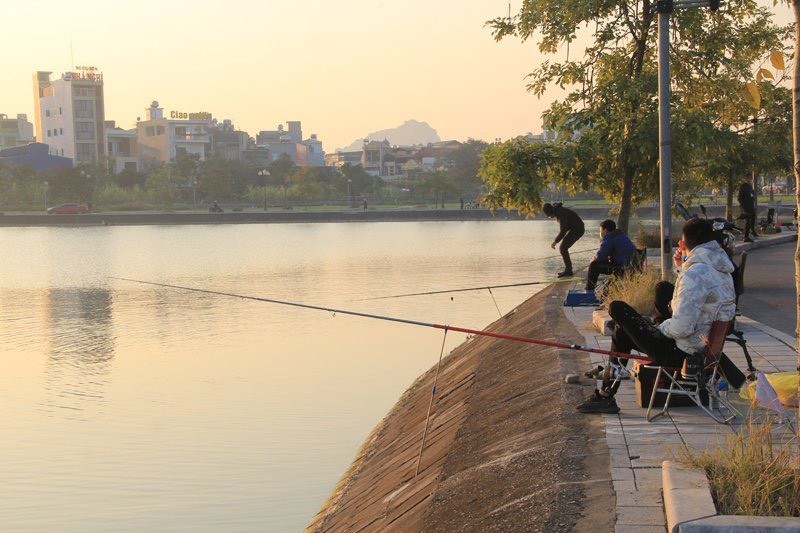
(128, 407)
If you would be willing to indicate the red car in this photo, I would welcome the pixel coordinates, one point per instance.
(68, 209)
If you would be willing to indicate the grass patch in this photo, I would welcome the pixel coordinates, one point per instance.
(636, 288)
(751, 474)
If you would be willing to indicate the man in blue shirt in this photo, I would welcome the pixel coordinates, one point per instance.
(614, 255)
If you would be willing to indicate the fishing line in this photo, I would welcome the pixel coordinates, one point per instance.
(554, 256)
(430, 405)
(488, 287)
(540, 342)
(495, 304)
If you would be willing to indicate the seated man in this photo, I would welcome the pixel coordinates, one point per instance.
(703, 293)
(614, 255)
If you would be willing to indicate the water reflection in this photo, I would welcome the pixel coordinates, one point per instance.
(80, 347)
(218, 413)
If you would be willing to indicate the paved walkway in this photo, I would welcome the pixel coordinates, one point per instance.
(638, 447)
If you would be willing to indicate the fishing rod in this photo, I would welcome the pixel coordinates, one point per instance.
(554, 256)
(489, 288)
(446, 328)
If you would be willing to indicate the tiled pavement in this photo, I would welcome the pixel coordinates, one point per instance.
(638, 447)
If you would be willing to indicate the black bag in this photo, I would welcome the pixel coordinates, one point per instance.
(731, 372)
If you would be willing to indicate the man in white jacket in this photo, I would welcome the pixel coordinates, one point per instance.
(703, 293)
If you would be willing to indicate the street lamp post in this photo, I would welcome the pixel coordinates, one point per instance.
(264, 173)
(349, 199)
(664, 8)
(45, 196)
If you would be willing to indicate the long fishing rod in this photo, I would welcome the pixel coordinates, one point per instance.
(489, 288)
(335, 311)
(554, 256)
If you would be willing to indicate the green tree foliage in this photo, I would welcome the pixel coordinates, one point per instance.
(437, 184)
(129, 178)
(466, 160)
(280, 170)
(68, 184)
(360, 183)
(309, 183)
(516, 172)
(609, 112)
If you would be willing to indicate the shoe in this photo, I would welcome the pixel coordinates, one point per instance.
(599, 404)
(565, 274)
(594, 373)
(748, 240)
(754, 234)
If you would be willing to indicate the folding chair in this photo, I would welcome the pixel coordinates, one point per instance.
(681, 383)
(736, 335)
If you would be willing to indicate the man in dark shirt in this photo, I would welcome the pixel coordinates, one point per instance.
(747, 202)
(571, 230)
(614, 255)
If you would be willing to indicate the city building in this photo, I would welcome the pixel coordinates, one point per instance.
(162, 139)
(308, 152)
(70, 114)
(121, 148)
(36, 155)
(228, 142)
(15, 131)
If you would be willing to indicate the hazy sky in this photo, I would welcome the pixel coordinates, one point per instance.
(344, 67)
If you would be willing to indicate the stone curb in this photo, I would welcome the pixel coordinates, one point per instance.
(778, 238)
(687, 495)
(689, 507)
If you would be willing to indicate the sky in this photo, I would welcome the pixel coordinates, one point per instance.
(344, 68)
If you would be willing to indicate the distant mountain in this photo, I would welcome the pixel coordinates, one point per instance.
(412, 132)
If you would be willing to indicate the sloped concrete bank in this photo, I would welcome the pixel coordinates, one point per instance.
(505, 451)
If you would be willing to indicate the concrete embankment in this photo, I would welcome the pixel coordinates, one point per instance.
(300, 216)
(505, 448)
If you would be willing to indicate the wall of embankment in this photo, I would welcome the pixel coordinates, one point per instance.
(505, 448)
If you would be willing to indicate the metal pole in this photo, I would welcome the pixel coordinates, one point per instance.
(664, 8)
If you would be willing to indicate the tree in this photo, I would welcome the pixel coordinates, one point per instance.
(308, 183)
(216, 178)
(466, 160)
(129, 178)
(516, 172)
(355, 179)
(71, 184)
(610, 111)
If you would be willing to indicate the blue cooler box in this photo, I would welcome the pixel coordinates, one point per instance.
(581, 299)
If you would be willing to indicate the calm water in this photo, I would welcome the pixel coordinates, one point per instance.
(132, 407)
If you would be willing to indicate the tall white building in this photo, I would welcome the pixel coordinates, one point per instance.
(70, 112)
(15, 131)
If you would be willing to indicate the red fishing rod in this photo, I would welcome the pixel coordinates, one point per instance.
(446, 328)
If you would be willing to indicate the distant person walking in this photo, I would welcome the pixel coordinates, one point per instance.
(365, 204)
(747, 202)
(571, 230)
(614, 255)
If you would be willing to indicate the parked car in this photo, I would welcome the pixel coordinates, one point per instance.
(68, 209)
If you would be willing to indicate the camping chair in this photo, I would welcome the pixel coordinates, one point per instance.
(695, 387)
(769, 222)
(638, 261)
(735, 335)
